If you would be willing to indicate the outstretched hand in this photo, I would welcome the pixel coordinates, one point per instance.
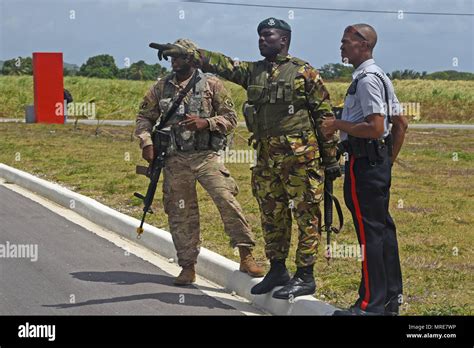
(168, 50)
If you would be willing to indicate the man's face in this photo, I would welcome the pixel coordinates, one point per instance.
(180, 64)
(352, 48)
(270, 42)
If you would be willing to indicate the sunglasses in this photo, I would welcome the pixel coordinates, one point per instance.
(350, 29)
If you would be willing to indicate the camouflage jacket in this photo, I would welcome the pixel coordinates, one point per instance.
(308, 82)
(217, 102)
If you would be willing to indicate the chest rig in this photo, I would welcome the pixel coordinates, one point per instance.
(273, 107)
(184, 140)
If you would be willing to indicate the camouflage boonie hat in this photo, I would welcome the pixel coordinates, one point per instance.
(187, 44)
(190, 47)
(275, 23)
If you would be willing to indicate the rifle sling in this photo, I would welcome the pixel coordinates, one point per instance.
(191, 84)
(339, 212)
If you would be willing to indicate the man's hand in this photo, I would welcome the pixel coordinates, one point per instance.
(399, 128)
(148, 153)
(194, 123)
(168, 50)
(332, 170)
(328, 127)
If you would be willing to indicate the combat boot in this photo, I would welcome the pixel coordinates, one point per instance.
(186, 277)
(248, 264)
(278, 275)
(301, 284)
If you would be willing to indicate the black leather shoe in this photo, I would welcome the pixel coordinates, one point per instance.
(295, 287)
(277, 276)
(354, 311)
(301, 284)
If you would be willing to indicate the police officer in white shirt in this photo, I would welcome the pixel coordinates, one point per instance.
(372, 133)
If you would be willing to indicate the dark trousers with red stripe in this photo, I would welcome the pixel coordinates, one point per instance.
(367, 194)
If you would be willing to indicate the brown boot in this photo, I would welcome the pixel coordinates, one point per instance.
(186, 277)
(248, 264)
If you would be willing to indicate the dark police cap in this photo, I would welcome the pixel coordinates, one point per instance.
(273, 23)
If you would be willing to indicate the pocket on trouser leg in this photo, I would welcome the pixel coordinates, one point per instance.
(264, 193)
(315, 185)
(256, 181)
(304, 186)
(304, 150)
(229, 181)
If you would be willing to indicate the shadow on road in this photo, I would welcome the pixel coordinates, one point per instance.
(180, 299)
(123, 278)
(131, 278)
(182, 296)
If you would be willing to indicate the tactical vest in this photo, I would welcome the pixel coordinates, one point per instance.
(273, 107)
(181, 138)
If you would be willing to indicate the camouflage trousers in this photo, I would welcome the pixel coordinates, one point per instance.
(288, 180)
(180, 201)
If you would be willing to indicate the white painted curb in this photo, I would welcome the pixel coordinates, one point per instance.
(210, 265)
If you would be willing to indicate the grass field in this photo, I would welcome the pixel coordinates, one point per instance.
(440, 101)
(432, 204)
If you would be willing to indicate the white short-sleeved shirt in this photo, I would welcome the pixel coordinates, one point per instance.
(369, 97)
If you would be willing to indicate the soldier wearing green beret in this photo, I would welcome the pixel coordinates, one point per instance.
(283, 93)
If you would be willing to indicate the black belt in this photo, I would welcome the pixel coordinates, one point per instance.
(374, 149)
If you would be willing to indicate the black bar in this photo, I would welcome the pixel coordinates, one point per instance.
(244, 330)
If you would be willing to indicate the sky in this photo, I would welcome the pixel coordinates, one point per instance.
(124, 28)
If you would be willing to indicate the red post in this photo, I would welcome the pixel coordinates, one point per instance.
(48, 87)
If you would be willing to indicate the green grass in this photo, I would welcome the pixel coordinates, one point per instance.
(440, 101)
(431, 202)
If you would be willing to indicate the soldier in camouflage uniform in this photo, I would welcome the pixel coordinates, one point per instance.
(198, 130)
(289, 174)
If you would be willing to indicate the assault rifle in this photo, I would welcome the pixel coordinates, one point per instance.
(329, 198)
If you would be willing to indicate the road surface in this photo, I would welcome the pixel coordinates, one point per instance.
(76, 272)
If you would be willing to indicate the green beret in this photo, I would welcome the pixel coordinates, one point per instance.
(273, 23)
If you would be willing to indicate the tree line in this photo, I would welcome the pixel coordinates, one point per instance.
(103, 66)
(341, 72)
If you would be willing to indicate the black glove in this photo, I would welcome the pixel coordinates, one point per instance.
(166, 50)
(332, 170)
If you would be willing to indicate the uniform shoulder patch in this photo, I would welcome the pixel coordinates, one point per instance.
(228, 102)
